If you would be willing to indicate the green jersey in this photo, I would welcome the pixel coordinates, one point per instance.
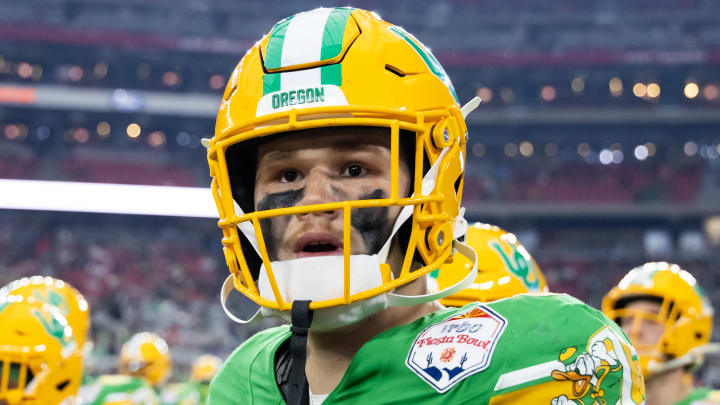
(188, 393)
(118, 390)
(701, 396)
(539, 349)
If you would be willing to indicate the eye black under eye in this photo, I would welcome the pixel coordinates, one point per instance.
(354, 170)
(289, 176)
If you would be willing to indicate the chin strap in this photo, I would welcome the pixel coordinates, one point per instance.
(692, 357)
(299, 390)
(228, 287)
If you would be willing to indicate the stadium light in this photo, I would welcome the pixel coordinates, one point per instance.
(616, 87)
(103, 128)
(578, 84)
(479, 149)
(691, 90)
(485, 94)
(690, 148)
(640, 90)
(548, 93)
(107, 198)
(711, 92)
(133, 130)
(653, 90)
(641, 152)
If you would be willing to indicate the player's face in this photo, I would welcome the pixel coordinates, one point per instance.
(320, 166)
(643, 331)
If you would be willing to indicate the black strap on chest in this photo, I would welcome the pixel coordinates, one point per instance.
(290, 360)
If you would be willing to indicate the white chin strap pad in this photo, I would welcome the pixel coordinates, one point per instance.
(327, 319)
(320, 278)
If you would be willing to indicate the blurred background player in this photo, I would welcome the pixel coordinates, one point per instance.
(145, 365)
(669, 319)
(505, 268)
(42, 335)
(194, 391)
(71, 303)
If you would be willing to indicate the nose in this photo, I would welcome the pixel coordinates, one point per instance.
(319, 190)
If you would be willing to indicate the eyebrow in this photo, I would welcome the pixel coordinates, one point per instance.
(276, 155)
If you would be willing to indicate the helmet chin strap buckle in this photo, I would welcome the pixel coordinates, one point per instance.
(301, 316)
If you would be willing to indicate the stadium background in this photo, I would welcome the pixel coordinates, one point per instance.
(597, 143)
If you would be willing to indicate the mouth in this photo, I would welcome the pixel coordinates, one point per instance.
(313, 244)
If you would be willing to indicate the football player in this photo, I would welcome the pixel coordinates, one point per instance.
(669, 321)
(71, 303)
(195, 391)
(144, 364)
(337, 166)
(40, 362)
(505, 268)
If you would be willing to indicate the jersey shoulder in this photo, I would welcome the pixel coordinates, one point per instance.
(535, 349)
(561, 349)
(255, 359)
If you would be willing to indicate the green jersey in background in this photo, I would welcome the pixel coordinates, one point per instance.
(188, 393)
(118, 390)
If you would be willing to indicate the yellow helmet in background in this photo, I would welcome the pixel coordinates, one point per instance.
(39, 361)
(205, 368)
(339, 67)
(505, 268)
(685, 313)
(146, 355)
(56, 292)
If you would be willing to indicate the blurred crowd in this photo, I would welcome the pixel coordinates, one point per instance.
(164, 274)
(137, 273)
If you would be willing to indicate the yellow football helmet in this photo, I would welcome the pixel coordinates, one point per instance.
(340, 67)
(685, 313)
(146, 355)
(56, 292)
(205, 368)
(39, 363)
(505, 268)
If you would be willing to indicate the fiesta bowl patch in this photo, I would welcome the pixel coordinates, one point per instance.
(458, 347)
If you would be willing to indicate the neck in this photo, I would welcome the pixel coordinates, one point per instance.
(330, 353)
(667, 388)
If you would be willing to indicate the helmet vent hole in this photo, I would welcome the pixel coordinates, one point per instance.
(395, 71)
(62, 385)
